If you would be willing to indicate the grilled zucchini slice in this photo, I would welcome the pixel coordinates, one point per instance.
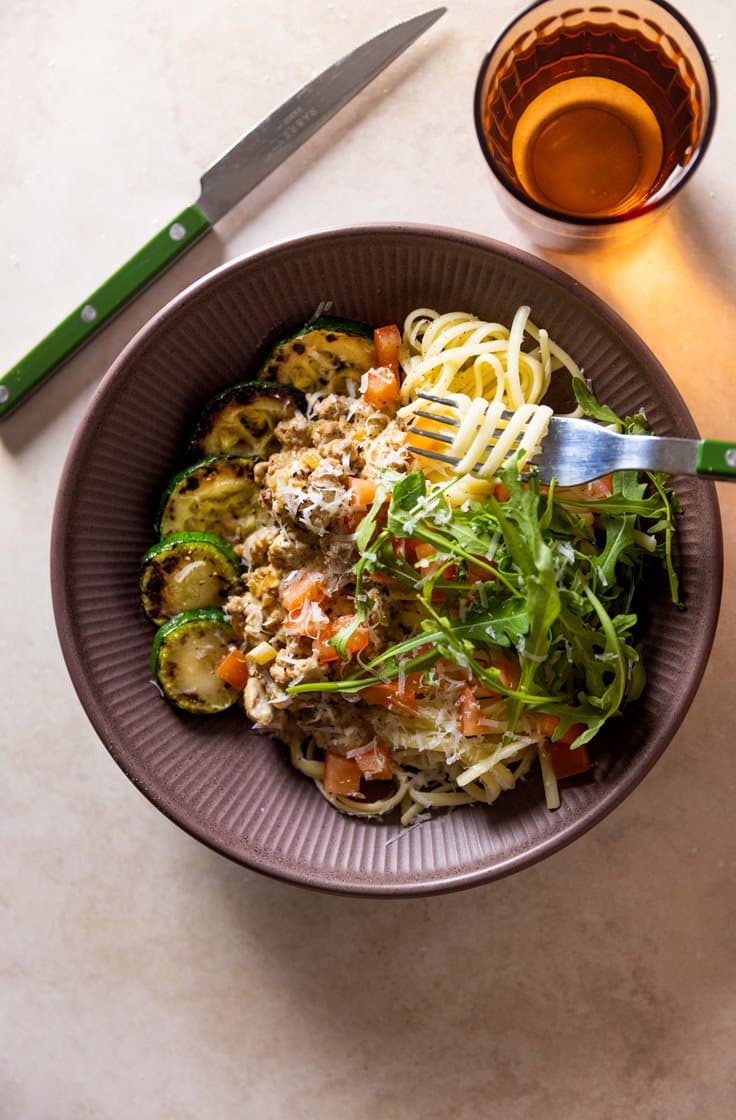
(217, 495)
(187, 651)
(240, 420)
(186, 572)
(324, 354)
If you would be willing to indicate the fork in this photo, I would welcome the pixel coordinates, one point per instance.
(571, 451)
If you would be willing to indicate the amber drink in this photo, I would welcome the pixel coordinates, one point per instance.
(592, 116)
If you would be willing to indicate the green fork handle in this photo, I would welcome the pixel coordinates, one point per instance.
(717, 458)
(156, 255)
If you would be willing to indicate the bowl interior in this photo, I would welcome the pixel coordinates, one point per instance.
(235, 790)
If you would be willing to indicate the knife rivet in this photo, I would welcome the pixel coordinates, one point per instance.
(731, 456)
(88, 313)
(177, 231)
(4, 393)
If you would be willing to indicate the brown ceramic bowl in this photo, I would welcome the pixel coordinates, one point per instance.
(234, 790)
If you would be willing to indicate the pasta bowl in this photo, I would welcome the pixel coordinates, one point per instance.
(236, 790)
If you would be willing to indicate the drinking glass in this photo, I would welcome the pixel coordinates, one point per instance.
(593, 116)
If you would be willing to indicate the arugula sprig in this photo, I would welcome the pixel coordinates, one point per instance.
(561, 575)
(660, 507)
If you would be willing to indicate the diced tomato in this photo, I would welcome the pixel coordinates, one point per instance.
(387, 341)
(412, 550)
(341, 774)
(599, 487)
(358, 640)
(396, 696)
(501, 492)
(307, 586)
(509, 669)
(405, 548)
(233, 669)
(547, 724)
(572, 733)
(567, 761)
(418, 555)
(308, 619)
(380, 386)
(427, 567)
(361, 495)
(374, 761)
(350, 521)
(470, 713)
(362, 492)
(477, 574)
(423, 550)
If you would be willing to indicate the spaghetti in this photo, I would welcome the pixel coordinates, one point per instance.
(459, 353)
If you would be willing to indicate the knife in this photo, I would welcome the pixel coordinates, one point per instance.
(237, 172)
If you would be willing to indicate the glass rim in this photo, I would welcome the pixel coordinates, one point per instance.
(611, 220)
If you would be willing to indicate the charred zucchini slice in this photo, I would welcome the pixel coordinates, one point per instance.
(187, 651)
(217, 495)
(323, 354)
(241, 419)
(186, 572)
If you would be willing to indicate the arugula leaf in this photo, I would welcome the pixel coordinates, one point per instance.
(498, 622)
(405, 497)
(561, 576)
(341, 639)
(591, 406)
(619, 540)
(665, 499)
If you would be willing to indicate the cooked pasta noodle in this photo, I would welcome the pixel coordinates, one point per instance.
(485, 370)
(426, 778)
(459, 353)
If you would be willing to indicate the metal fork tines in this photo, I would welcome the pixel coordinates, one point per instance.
(569, 450)
(484, 433)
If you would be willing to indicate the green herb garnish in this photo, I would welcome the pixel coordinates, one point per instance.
(547, 578)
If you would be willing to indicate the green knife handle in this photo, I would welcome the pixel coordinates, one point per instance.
(716, 457)
(178, 236)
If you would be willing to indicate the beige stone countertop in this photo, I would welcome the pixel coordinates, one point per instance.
(142, 975)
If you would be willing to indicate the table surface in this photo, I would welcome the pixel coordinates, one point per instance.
(141, 974)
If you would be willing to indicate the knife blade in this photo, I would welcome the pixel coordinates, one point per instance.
(225, 183)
